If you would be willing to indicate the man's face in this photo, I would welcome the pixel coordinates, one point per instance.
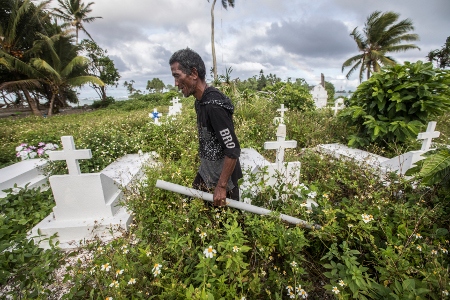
(186, 83)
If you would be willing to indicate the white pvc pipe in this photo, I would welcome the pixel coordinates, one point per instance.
(231, 203)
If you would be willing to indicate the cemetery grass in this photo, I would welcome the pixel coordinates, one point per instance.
(376, 240)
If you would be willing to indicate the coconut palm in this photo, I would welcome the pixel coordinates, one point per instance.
(225, 4)
(75, 13)
(59, 72)
(381, 35)
(19, 23)
(54, 73)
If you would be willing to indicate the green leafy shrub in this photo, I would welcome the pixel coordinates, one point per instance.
(293, 96)
(434, 169)
(395, 103)
(103, 103)
(380, 238)
(24, 267)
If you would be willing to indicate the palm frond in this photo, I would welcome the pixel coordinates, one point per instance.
(76, 61)
(435, 167)
(12, 86)
(82, 80)
(45, 68)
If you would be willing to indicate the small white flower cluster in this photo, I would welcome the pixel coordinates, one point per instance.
(24, 151)
(367, 218)
(298, 292)
(156, 269)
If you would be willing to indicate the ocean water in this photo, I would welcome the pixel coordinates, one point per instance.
(88, 95)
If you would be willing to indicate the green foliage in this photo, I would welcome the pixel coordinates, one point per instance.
(24, 267)
(394, 104)
(381, 35)
(103, 103)
(442, 56)
(155, 85)
(100, 65)
(291, 95)
(380, 238)
(329, 87)
(434, 169)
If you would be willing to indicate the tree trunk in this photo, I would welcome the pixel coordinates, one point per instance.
(32, 103)
(103, 91)
(213, 48)
(50, 109)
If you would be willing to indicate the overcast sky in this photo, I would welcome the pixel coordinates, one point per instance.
(297, 39)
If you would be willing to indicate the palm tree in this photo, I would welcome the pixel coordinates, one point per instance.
(74, 13)
(59, 72)
(20, 22)
(55, 73)
(380, 36)
(225, 4)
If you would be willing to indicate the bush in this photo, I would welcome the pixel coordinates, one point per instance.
(293, 96)
(395, 103)
(103, 103)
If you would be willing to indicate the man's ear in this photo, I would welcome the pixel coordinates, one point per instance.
(194, 72)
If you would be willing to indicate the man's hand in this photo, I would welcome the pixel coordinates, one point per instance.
(220, 196)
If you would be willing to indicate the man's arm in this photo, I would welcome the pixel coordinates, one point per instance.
(220, 192)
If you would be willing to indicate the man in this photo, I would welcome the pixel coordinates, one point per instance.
(219, 148)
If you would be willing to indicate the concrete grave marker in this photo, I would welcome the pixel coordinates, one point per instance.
(338, 105)
(87, 205)
(28, 171)
(281, 144)
(320, 96)
(280, 120)
(175, 108)
(70, 155)
(155, 115)
(428, 136)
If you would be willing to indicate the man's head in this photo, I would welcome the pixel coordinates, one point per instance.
(188, 70)
(188, 60)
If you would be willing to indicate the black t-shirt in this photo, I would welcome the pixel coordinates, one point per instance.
(217, 138)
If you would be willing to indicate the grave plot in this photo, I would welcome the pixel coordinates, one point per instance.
(399, 164)
(88, 205)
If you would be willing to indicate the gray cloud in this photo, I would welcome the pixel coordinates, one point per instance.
(327, 38)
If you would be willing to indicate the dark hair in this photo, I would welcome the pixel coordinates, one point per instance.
(189, 59)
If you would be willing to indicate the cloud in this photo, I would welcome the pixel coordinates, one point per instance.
(325, 38)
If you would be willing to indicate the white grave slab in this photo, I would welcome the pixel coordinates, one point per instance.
(29, 171)
(320, 96)
(87, 205)
(399, 164)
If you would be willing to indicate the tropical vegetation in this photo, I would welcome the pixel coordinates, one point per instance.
(39, 61)
(441, 56)
(382, 34)
(75, 13)
(395, 103)
(374, 242)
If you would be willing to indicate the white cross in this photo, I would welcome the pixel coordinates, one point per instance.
(70, 155)
(175, 101)
(338, 105)
(428, 136)
(155, 115)
(280, 144)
